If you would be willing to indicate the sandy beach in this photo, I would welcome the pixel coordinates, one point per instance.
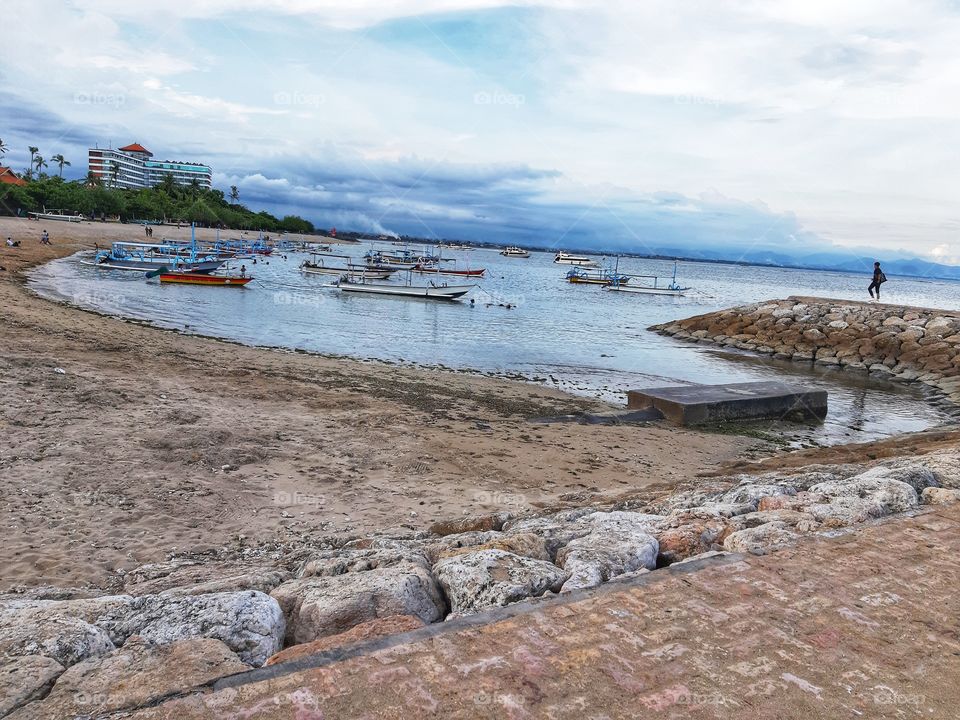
(124, 444)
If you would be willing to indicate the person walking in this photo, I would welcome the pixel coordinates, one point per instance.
(878, 279)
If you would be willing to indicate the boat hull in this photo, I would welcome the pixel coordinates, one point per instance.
(364, 272)
(456, 273)
(646, 291)
(440, 292)
(200, 279)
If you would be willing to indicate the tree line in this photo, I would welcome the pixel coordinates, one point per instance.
(167, 201)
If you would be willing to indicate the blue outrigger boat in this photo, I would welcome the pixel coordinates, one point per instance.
(144, 257)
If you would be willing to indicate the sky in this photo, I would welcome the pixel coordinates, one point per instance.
(796, 127)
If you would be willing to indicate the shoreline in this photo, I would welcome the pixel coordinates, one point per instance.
(119, 460)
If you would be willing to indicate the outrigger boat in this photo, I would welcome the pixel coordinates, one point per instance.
(595, 277)
(425, 270)
(56, 215)
(140, 257)
(655, 288)
(565, 258)
(193, 278)
(316, 266)
(514, 251)
(429, 292)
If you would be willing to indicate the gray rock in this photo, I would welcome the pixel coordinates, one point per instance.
(192, 577)
(25, 679)
(751, 492)
(939, 496)
(845, 511)
(914, 474)
(874, 485)
(330, 604)
(760, 539)
(612, 548)
(339, 562)
(945, 467)
(250, 623)
(484, 579)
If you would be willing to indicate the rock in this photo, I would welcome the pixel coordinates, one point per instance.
(370, 630)
(845, 511)
(916, 475)
(526, 544)
(893, 496)
(751, 493)
(319, 606)
(249, 623)
(436, 547)
(25, 679)
(939, 496)
(680, 543)
(759, 539)
(339, 562)
(789, 518)
(133, 676)
(492, 578)
(945, 467)
(492, 521)
(63, 630)
(616, 544)
(191, 577)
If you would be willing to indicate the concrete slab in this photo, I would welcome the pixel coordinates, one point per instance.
(701, 404)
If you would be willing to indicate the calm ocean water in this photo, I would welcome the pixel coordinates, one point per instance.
(574, 337)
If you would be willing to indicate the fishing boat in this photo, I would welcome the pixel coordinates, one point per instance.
(653, 286)
(565, 258)
(427, 270)
(429, 292)
(595, 277)
(316, 266)
(514, 251)
(56, 215)
(141, 257)
(194, 278)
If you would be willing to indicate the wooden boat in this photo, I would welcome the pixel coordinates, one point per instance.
(189, 278)
(429, 292)
(596, 277)
(365, 272)
(514, 251)
(424, 270)
(56, 215)
(565, 258)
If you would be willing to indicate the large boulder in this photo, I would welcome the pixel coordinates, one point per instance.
(617, 542)
(250, 623)
(66, 631)
(484, 579)
(526, 544)
(317, 606)
(939, 496)
(473, 523)
(133, 676)
(193, 577)
(914, 474)
(892, 495)
(685, 541)
(365, 631)
(752, 492)
(346, 560)
(760, 539)
(945, 466)
(25, 679)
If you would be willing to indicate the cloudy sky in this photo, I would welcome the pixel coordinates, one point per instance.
(793, 126)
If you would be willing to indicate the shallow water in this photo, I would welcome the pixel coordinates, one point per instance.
(574, 337)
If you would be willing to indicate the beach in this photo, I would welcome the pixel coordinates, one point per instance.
(124, 444)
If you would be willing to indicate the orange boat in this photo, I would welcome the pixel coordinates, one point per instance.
(200, 279)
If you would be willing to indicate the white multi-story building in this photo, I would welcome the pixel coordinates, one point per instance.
(132, 166)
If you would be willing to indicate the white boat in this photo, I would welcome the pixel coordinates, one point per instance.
(653, 286)
(430, 292)
(565, 258)
(514, 251)
(56, 215)
(316, 266)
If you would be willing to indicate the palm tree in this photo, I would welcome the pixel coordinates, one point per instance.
(33, 151)
(40, 163)
(194, 187)
(3, 148)
(115, 172)
(60, 160)
(93, 180)
(234, 194)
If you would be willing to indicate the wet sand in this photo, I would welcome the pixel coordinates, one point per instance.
(123, 444)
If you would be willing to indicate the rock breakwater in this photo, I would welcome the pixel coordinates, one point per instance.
(898, 342)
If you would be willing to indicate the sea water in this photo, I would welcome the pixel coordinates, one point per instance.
(526, 320)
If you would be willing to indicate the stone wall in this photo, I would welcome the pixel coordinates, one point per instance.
(904, 343)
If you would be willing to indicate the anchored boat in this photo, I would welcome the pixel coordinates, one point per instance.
(426, 270)
(595, 277)
(429, 292)
(565, 258)
(654, 285)
(56, 215)
(514, 251)
(193, 278)
(140, 257)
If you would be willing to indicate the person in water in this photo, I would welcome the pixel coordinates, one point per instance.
(878, 279)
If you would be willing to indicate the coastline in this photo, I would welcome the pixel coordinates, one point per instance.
(119, 460)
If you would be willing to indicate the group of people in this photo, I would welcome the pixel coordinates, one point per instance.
(44, 240)
(148, 231)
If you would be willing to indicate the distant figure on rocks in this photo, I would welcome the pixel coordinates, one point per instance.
(878, 279)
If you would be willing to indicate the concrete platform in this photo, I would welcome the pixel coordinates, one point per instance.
(859, 624)
(702, 404)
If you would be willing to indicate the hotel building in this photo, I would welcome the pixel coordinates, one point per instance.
(132, 167)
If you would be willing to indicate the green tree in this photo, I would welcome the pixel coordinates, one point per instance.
(93, 180)
(60, 160)
(40, 163)
(33, 151)
(115, 172)
(3, 148)
(234, 193)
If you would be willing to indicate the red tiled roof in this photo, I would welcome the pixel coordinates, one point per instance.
(136, 147)
(7, 177)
